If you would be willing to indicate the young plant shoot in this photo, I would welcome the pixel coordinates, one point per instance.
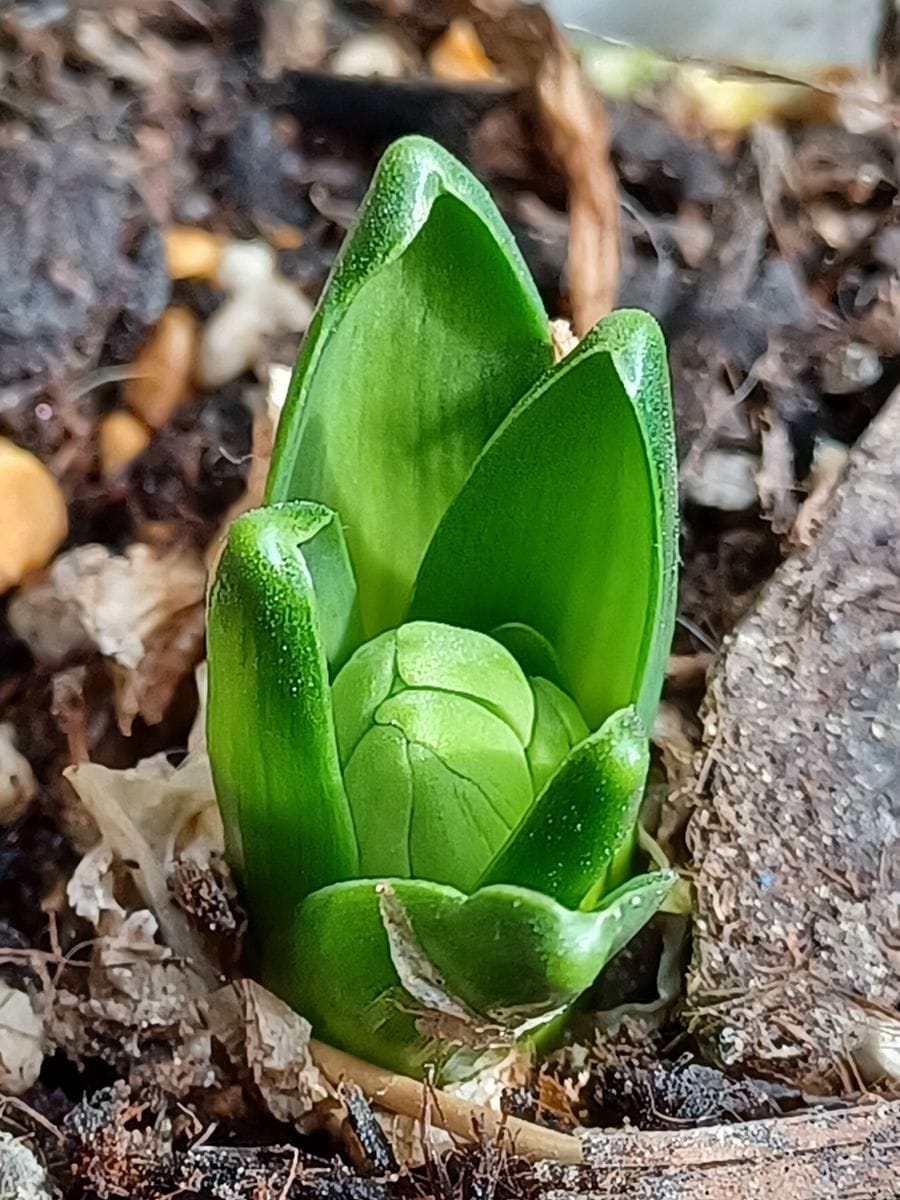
(435, 654)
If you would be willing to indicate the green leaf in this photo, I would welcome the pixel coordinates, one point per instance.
(565, 845)
(558, 728)
(428, 332)
(567, 522)
(533, 653)
(504, 956)
(271, 740)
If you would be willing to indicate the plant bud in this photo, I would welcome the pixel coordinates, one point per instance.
(438, 739)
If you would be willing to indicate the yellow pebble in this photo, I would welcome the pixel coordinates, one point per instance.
(458, 55)
(161, 373)
(730, 106)
(193, 253)
(122, 438)
(33, 516)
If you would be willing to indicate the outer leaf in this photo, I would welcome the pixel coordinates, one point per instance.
(567, 522)
(505, 954)
(271, 740)
(429, 331)
(584, 815)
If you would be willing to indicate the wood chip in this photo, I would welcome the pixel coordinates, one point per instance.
(193, 253)
(818, 1155)
(458, 55)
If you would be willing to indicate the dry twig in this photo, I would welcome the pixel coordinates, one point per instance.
(532, 52)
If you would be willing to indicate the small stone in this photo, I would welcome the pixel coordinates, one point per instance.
(458, 55)
(850, 369)
(17, 782)
(371, 55)
(161, 373)
(193, 253)
(33, 516)
(122, 438)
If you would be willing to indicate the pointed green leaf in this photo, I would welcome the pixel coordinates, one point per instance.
(586, 812)
(504, 955)
(567, 522)
(271, 739)
(428, 332)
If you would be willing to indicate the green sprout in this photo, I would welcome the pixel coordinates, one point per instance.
(436, 651)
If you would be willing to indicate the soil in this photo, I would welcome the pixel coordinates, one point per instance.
(771, 258)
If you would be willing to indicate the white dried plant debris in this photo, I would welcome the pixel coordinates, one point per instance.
(877, 1034)
(21, 1040)
(138, 995)
(723, 479)
(91, 890)
(196, 743)
(562, 335)
(143, 610)
(48, 622)
(261, 1032)
(260, 302)
(828, 466)
(146, 816)
(17, 783)
(21, 1175)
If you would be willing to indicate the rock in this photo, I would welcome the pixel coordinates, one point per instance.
(795, 836)
(161, 372)
(81, 257)
(122, 437)
(17, 782)
(33, 516)
(724, 479)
